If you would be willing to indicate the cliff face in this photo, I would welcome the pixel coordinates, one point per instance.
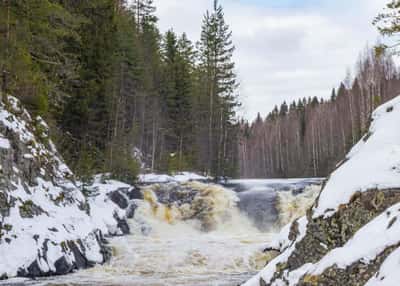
(46, 223)
(351, 236)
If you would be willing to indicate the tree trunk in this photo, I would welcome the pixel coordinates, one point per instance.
(210, 129)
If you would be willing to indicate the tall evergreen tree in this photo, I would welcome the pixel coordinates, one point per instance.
(216, 52)
(178, 56)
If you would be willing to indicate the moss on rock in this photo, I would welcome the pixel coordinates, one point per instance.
(29, 210)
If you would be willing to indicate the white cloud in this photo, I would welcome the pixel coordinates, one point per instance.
(284, 54)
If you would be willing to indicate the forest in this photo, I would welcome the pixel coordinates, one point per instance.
(121, 97)
(117, 93)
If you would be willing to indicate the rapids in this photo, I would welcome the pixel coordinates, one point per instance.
(198, 234)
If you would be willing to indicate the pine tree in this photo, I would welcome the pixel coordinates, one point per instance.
(284, 109)
(144, 11)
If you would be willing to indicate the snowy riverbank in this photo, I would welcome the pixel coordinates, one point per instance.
(351, 235)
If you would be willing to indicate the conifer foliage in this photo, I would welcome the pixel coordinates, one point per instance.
(219, 80)
(112, 86)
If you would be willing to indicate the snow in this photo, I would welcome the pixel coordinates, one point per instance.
(373, 163)
(187, 176)
(102, 209)
(28, 156)
(154, 178)
(388, 274)
(4, 143)
(182, 177)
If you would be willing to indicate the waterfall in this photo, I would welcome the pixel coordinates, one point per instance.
(200, 234)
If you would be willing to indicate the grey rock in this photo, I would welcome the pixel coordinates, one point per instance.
(122, 224)
(62, 266)
(130, 211)
(119, 198)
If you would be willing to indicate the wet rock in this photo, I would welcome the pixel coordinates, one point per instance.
(145, 229)
(119, 198)
(80, 260)
(134, 194)
(262, 282)
(130, 211)
(174, 193)
(122, 224)
(32, 271)
(62, 266)
(105, 250)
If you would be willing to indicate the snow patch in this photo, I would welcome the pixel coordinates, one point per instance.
(4, 143)
(182, 177)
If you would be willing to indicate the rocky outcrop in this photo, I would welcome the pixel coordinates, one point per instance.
(326, 234)
(353, 228)
(47, 225)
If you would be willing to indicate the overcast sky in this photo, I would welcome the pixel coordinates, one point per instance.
(285, 49)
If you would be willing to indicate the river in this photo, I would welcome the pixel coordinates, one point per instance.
(213, 237)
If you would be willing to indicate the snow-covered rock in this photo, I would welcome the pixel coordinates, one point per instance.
(47, 225)
(111, 203)
(352, 234)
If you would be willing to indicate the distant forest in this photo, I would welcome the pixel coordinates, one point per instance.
(309, 137)
(116, 92)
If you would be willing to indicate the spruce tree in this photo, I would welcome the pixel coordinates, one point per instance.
(216, 52)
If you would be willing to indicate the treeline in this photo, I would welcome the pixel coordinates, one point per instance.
(114, 89)
(309, 137)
